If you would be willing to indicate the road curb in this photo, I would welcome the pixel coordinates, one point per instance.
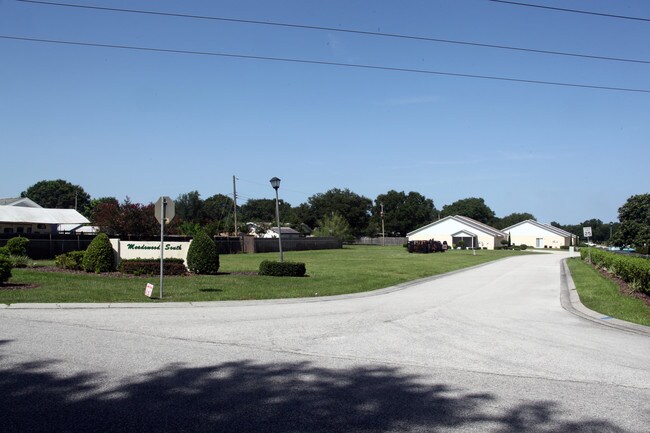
(570, 301)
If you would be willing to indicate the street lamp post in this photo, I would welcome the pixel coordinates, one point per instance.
(383, 233)
(275, 183)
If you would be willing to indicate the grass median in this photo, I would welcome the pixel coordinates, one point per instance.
(604, 296)
(352, 269)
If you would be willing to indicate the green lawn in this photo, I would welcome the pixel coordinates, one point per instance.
(329, 272)
(602, 295)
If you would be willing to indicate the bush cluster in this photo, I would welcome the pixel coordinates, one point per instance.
(284, 269)
(5, 268)
(642, 250)
(635, 271)
(425, 247)
(99, 255)
(19, 261)
(203, 256)
(152, 266)
(70, 260)
(17, 246)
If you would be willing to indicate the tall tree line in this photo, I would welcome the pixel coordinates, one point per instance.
(337, 211)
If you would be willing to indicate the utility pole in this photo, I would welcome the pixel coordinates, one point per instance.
(234, 199)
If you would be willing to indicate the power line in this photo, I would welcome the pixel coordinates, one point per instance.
(340, 30)
(624, 17)
(324, 63)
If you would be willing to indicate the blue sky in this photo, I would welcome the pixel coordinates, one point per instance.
(144, 124)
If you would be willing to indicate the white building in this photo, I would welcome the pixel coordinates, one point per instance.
(538, 235)
(454, 229)
(24, 216)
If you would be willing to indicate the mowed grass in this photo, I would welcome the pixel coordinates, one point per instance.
(352, 269)
(603, 296)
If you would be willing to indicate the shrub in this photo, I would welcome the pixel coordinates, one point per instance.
(99, 255)
(523, 246)
(19, 261)
(5, 269)
(633, 270)
(284, 269)
(71, 260)
(4, 252)
(17, 246)
(152, 266)
(203, 256)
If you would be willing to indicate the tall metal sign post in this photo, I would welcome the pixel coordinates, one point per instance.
(586, 231)
(165, 210)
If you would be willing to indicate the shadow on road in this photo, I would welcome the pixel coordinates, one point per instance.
(252, 397)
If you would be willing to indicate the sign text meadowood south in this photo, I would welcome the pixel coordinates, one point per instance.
(143, 246)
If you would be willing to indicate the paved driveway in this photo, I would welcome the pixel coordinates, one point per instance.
(489, 349)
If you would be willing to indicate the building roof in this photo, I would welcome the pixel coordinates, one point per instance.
(547, 227)
(19, 214)
(465, 221)
(78, 228)
(18, 201)
(285, 230)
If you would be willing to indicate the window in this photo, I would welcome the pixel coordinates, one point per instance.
(41, 226)
(20, 230)
(8, 230)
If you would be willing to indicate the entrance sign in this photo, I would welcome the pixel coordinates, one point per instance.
(149, 290)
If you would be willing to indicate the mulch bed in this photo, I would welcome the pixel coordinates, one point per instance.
(17, 286)
(624, 288)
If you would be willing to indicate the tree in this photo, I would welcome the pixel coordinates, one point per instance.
(474, 208)
(634, 216)
(189, 207)
(263, 210)
(601, 232)
(58, 194)
(301, 219)
(105, 214)
(353, 207)
(126, 218)
(138, 219)
(402, 212)
(512, 219)
(334, 226)
(218, 207)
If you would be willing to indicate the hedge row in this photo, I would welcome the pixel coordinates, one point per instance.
(152, 267)
(284, 269)
(634, 271)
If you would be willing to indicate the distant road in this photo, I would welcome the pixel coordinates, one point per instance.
(484, 350)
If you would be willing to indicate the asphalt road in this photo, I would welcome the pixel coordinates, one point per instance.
(485, 350)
